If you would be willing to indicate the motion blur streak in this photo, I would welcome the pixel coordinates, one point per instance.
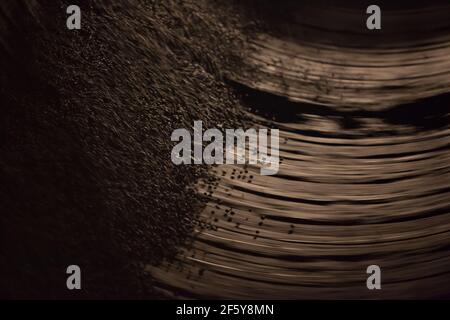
(364, 174)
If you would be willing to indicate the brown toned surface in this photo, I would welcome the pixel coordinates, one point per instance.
(324, 54)
(337, 205)
(364, 177)
(85, 169)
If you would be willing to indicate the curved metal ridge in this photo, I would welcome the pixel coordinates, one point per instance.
(346, 78)
(364, 175)
(311, 231)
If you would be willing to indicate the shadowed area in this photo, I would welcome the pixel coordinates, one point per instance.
(85, 125)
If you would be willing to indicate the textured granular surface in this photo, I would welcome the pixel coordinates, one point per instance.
(86, 175)
(85, 137)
